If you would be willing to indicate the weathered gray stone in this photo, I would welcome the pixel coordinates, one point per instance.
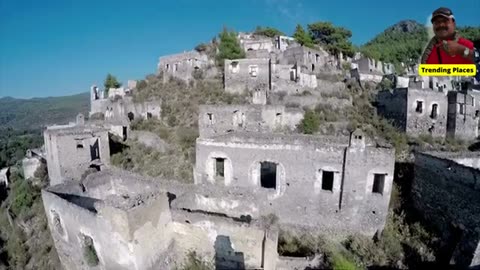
(446, 190)
(71, 150)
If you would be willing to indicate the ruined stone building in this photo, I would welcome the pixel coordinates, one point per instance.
(446, 191)
(367, 69)
(72, 149)
(131, 222)
(260, 77)
(123, 108)
(184, 65)
(219, 120)
(439, 112)
(251, 42)
(314, 60)
(337, 184)
(34, 158)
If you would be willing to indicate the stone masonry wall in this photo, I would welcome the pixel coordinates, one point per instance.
(231, 245)
(462, 116)
(69, 155)
(299, 173)
(393, 106)
(120, 108)
(182, 65)
(422, 122)
(218, 120)
(247, 75)
(446, 193)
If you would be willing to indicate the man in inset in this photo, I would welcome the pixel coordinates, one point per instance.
(447, 47)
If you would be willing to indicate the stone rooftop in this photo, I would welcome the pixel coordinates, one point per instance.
(72, 129)
(316, 141)
(468, 159)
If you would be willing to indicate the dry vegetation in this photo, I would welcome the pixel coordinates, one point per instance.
(178, 126)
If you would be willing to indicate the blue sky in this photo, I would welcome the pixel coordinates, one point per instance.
(61, 47)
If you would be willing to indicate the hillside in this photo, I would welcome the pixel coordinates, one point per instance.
(405, 41)
(38, 112)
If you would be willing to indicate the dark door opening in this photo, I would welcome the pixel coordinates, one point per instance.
(124, 133)
(131, 116)
(327, 180)
(94, 151)
(378, 183)
(268, 175)
(95, 167)
(220, 167)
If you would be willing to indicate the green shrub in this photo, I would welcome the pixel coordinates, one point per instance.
(90, 255)
(193, 262)
(23, 197)
(310, 123)
(339, 262)
(365, 250)
(290, 244)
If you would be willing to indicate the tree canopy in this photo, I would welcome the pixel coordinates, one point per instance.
(111, 82)
(229, 47)
(335, 39)
(302, 37)
(268, 31)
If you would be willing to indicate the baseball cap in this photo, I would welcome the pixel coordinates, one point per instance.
(444, 12)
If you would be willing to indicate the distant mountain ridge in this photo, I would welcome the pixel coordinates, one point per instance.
(36, 113)
(405, 41)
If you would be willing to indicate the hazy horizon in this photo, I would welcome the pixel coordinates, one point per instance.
(61, 48)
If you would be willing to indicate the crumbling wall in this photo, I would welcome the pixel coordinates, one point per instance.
(392, 105)
(291, 79)
(71, 151)
(255, 43)
(463, 118)
(125, 108)
(247, 75)
(228, 244)
(371, 66)
(182, 65)
(30, 166)
(314, 60)
(456, 213)
(301, 164)
(423, 122)
(218, 120)
(129, 231)
(69, 222)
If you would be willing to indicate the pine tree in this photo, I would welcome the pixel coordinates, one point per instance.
(302, 37)
(111, 82)
(229, 47)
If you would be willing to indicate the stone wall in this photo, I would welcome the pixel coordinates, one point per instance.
(123, 239)
(463, 116)
(30, 166)
(70, 150)
(314, 60)
(255, 43)
(291, 79)
(141, 223)
(371, 66)
(412, 110)
(345, 205)
(182, 65)
(218, 120)
(125, 108)
(423, 121)
(455, 215)
(231, 244)
(247, 75)
(392, 105)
